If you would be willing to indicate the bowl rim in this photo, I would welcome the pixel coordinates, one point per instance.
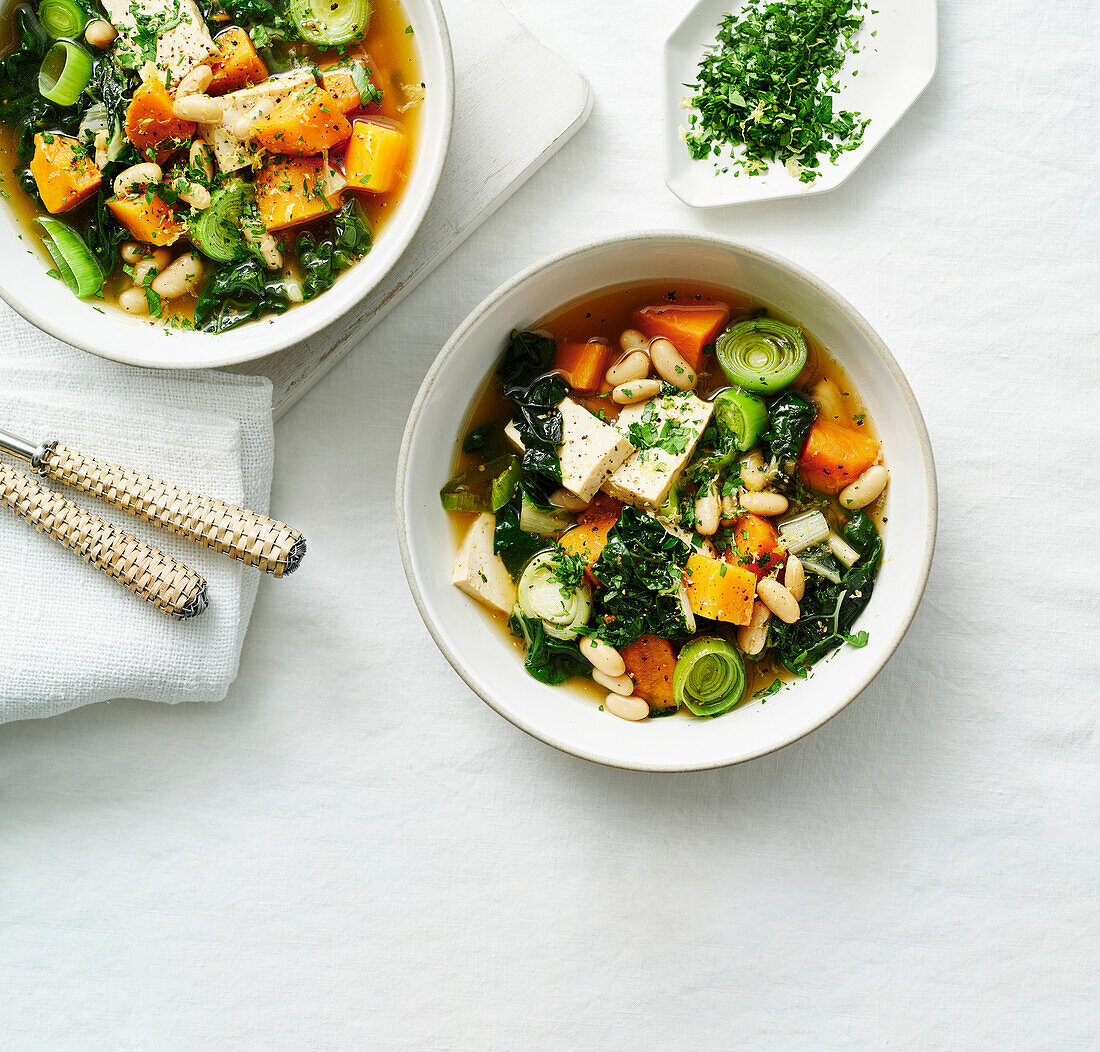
(683, 237)
(129, 352)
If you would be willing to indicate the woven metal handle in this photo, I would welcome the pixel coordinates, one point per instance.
(256, 540)
(147, 572)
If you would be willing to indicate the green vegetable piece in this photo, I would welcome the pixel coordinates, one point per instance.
(547, 659)
(487, 487)
(742, 414)
(790, 417)
(216, 230)
(709, 677)
(331, 24)
(544, 522)
(488, 439)
(237, 292)
(762, 354)
(64, 73)
(75, 262)
(552, 588)
(62, 18)
(327, 250)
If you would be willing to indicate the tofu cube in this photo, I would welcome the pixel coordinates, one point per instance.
(666, 429)
(184, 44)
(511, 432)
(590, 451)
(481, 573)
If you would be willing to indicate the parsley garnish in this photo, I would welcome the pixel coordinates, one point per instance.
(765, 90)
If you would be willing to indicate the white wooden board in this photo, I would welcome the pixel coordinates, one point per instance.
(516, 103)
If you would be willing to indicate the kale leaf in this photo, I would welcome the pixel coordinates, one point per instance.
(236, 292)
(266, 19)
(332, 247)
(829, 610)
(790, 417)
(548, 659)
(21, 107)
(529, 356)
(513, 545)
(641, 568)
(541, 429)
(488, 439)
(102, 232)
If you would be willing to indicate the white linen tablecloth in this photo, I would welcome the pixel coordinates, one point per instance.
(352, 851)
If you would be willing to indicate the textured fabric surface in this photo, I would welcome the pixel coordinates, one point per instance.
(353, 852)
(72, 635)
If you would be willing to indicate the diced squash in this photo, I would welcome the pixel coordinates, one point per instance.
(689, 326)
(64, 173)
(304, 123)
(149, 219)
(719, 590)
(583, 364)
(588, 538)
(650, 662)
(374, 156)
(835, 455)
(340, 84)
(240, 65)
(291, 191)
(150, 124)
(756, 545)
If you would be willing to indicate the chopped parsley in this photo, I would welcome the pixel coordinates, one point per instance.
(765, 89)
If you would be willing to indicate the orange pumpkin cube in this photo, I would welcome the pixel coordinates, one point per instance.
(374, 156)
(64, 173)
(719, 590)
(304, 123)
(339, 82)
(147, 217)
(650, 663)
(152, 126)
(291, 191)
(835, 455)
(240, 65)
(583, 364)
(691, 326)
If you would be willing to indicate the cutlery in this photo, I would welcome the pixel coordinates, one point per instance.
(146, 571)
(256, 540)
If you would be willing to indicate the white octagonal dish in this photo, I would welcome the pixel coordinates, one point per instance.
(895, 66)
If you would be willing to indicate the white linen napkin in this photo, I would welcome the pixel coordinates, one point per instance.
(69, 635)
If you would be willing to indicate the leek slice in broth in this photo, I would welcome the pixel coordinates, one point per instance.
(762, 354)
(331, 24)
(545, 593)
(710, 676)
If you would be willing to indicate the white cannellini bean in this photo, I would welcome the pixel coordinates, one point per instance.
(100, 33)
(137, 175)
(267, 245)
(196, 82)
(794, 577)
(752, 471)
(142, 270)
(708, 513)
(866, 488)
(194, 194)
(133, 251)
(201, 108)
(101, 157)
(603, 657)
(670, 364)
(636, 391)
(199, 158)
(752, 637)
(635, 366)
(762, 503)
(181, 276)
(161, 256)
(242, 128)
(562, 498)
(778, 600)
(827, 395)
(632, 340)
(632, 708)
(621, 685)
(133, 301)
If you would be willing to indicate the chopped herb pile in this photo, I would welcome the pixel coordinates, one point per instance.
(765, 91)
